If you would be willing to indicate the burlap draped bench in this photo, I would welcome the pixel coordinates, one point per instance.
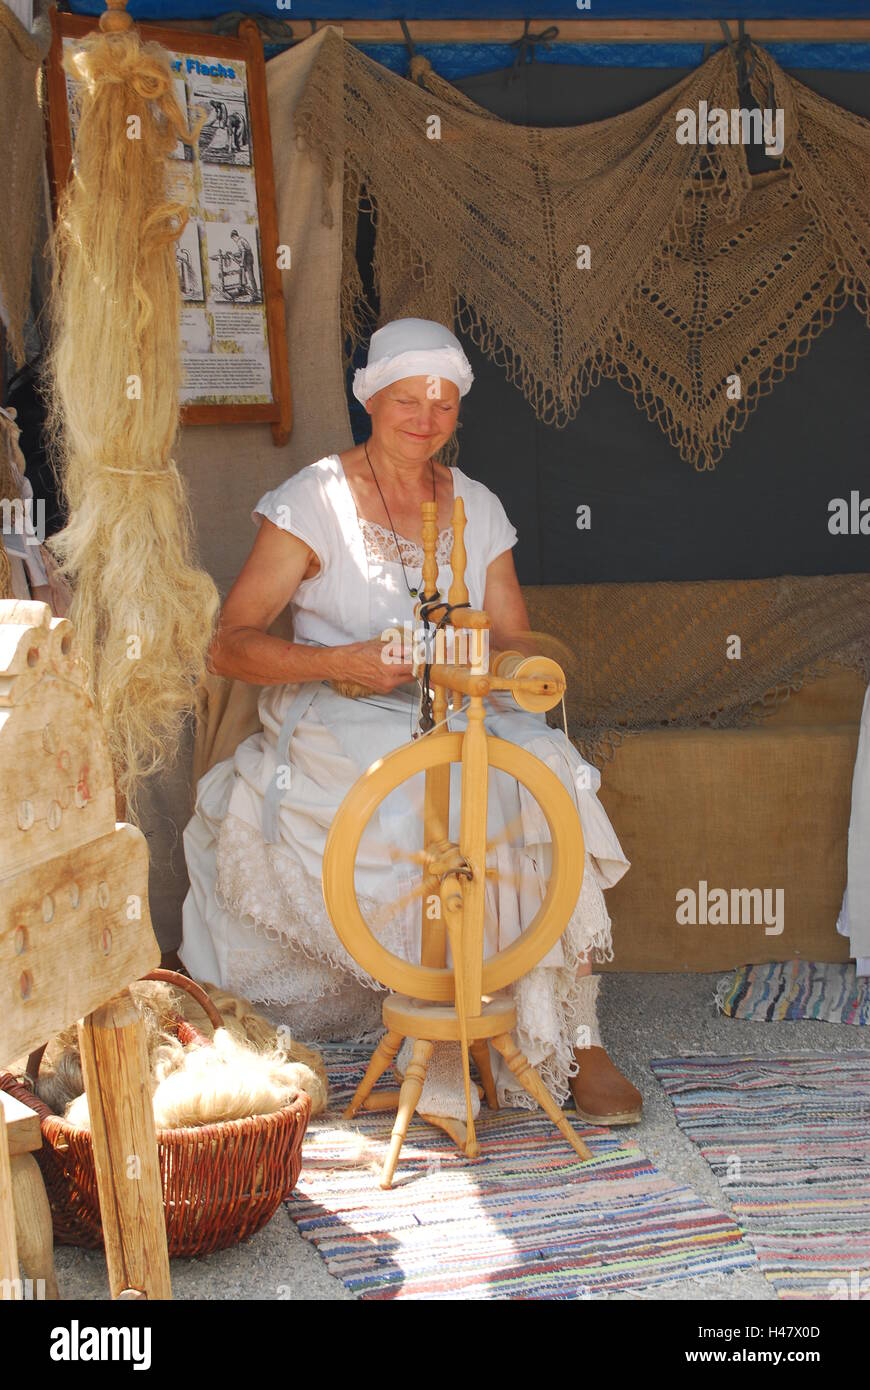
(763, 807)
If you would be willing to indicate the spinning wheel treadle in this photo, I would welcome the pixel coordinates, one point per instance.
(433, 1003)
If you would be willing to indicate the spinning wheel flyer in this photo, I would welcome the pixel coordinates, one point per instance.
(224, 335)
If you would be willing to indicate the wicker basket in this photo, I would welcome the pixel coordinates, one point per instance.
(221, 1182)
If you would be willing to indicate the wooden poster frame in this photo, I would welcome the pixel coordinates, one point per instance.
(247, 48)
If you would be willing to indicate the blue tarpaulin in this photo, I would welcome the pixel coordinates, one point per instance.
(455, 60)
(495, 9)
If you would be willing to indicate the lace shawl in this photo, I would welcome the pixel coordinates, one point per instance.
(609, 248)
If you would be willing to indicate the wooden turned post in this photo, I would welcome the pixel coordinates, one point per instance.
(412, 1089)
(531, 1082)
(458, 558)
(480, 1053)
(429, 584)
(115, 19)
(383, 1057)
(436, 795)
(451, 899)
(33, 1228)
(472, 842)
(115, 1066)
(10, 1286)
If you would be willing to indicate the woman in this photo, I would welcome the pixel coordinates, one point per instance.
(341, 542)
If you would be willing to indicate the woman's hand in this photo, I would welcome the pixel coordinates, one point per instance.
(364, 662)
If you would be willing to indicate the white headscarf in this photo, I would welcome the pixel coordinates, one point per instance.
(412, 347)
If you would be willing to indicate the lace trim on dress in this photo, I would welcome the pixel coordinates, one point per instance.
(268, 889)
(380, 545)
(290, 988)
(586, 937)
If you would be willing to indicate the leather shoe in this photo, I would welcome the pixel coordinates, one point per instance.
(602, 1095)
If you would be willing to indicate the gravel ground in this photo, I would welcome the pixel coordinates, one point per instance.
(669, 1015)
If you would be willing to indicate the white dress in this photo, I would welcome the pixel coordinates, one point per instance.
(254, 918)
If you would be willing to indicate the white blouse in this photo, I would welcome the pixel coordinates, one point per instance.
(360, 589)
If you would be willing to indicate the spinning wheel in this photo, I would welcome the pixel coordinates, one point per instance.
(433, 1002)
(432, 982)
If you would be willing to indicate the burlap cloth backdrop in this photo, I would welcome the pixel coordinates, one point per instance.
(321, 423)
(698, 270)
(21, 125)
(663, 656)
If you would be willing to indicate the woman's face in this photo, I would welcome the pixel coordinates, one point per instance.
(414, 418)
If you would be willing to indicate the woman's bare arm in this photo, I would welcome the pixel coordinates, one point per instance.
(244, 650)
(504, 602)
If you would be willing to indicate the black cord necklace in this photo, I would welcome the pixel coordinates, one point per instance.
(412, 592)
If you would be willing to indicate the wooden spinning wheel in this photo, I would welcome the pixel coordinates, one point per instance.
(433, 1002)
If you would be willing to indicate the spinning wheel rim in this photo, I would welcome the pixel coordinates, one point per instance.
(361, 804)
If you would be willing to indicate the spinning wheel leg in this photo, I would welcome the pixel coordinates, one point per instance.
(412, 1089)
(531, 1082)
(480, 1053)
(382, 1057)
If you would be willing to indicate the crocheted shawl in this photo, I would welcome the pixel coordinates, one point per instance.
(609, 248)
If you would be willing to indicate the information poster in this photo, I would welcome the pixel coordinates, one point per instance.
(224, 335)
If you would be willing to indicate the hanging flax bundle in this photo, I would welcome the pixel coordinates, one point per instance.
(21, 122)
(697, 270)
(143, 610)
(8, 492)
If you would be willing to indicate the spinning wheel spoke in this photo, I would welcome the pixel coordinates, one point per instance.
(507, 832)
(409, 856)
(511, 880)
(385, 915)
(399, 854)
(428, 885)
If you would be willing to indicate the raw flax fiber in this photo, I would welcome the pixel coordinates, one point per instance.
(143, 609)
(21, 122)
(699, 270)
(9, 491)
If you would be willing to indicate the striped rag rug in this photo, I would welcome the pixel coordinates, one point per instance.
(791, 989)
(789, 1140)
(525, 1220)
